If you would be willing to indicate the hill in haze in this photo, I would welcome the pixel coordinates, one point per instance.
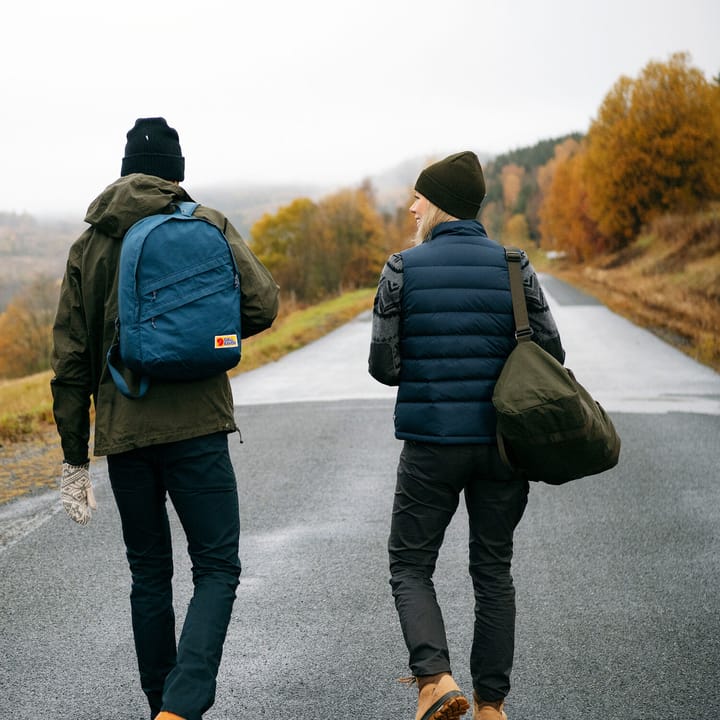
(244, 204)
(31, 248)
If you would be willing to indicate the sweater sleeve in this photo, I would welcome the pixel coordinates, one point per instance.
(384, 362)
(545, 332)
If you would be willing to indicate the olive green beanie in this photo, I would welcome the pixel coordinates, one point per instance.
(455, 185)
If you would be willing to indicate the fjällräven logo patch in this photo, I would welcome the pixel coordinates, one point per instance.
(226, 341)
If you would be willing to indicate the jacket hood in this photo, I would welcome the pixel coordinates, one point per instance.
(129, 199)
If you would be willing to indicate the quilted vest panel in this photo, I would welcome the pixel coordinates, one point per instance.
(456, 331)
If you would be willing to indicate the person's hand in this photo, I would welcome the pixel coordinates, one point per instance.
(76, 492)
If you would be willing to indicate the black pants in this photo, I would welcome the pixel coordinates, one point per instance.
(430, 478)
(198, 476)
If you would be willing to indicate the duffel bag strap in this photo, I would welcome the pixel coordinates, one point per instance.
(523, 331)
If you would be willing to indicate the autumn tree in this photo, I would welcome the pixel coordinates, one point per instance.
(281, 242)
(565, 223)
(492, 216)
(653, 148)
(26, 329)
(563, 151)
(400, 226)
(516, 231)
(351, 233)
(511, 178)
(319, 249)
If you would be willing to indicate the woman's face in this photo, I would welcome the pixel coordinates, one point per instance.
(419, 207)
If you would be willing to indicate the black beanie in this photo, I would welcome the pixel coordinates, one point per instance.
(153, 148)
(455, 185)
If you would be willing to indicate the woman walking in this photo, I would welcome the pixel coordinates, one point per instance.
(442, 329)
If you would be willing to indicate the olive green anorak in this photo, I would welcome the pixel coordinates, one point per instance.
(84, 329)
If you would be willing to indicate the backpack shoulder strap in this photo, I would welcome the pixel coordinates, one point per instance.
(186, 208)
(112, 357)
(523, 331)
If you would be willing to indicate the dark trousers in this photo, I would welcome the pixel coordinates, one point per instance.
(198, 476)
(430, 478)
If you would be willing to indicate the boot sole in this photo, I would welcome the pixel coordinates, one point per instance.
(450, 706)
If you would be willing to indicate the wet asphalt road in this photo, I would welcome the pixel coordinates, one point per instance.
(617, 576)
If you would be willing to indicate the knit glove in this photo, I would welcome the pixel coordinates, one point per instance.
(76, 492)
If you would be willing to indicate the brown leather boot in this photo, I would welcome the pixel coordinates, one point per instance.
(486, 710)
(440, 698)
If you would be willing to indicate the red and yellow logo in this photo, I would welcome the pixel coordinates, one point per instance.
(225, 341)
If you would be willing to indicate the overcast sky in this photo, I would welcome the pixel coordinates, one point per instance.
(315, 91)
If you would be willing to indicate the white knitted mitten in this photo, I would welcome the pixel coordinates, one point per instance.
(76, 492)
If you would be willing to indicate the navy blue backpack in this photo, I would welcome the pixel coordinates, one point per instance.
(178, 301)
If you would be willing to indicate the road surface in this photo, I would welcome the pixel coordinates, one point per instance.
(617, 575)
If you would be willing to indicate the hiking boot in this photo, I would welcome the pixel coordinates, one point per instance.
(440, 699)
(165, 715)
(486, 710)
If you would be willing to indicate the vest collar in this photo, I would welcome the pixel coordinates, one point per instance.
(458, 227)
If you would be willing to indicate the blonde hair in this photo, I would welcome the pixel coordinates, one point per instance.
(431, 218)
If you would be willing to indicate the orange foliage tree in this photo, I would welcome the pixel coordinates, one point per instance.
(493, 218)
(653, 148)
(565, 223)
(516, 231)
(562, 152)
(319, 249)
(351, 234)
(281, 243)
(511, 177)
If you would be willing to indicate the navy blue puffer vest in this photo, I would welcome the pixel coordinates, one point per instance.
(456, 331)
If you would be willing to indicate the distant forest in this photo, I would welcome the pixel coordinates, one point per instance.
(513, 186)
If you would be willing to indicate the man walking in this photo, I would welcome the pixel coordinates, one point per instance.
(171, 442)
